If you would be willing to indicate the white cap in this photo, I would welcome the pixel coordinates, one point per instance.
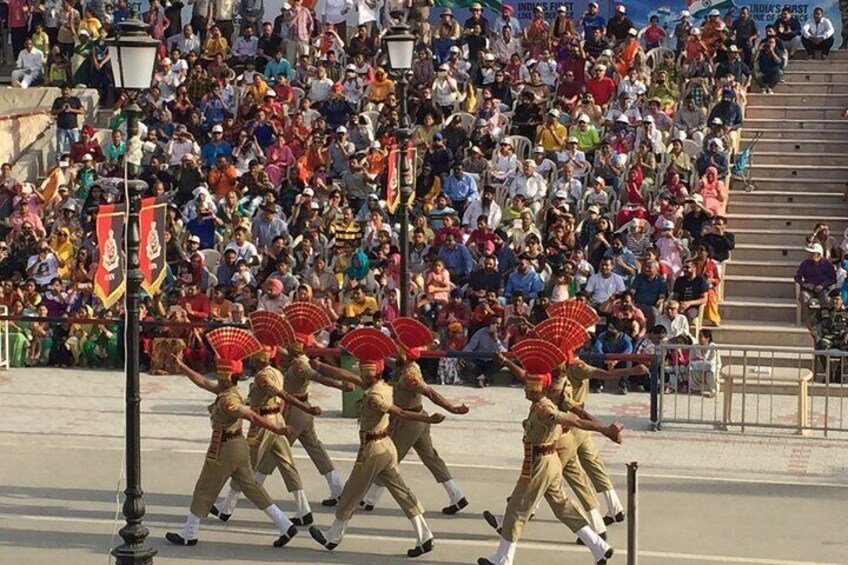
(315, 206)
(572, 139)
(561, 194)
(87, 157)
(554, 112)
(539, 149)
(376, 145)
(476, 149)
(200, 190)
(621, 8)
(217, 129)
(594, 209)
(633, 31)
(714, 13)
(562, 9)
(444, 67)
(194, 239)
(454, 49)
(270, 93)
(814, 248)
(695, 31)
(488, 57)
(308, 192)
(717, 142)
(697, 198)
(684, 13)
(341, 129)
(667, 225)
(583, 118)
(648, 119)
(622, 119)
(351, 68)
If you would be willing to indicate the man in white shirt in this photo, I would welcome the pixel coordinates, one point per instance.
(506, 46)
(182, 143)
(602, 286)
(566, 182)
(29, 67)
(817, 35)
(483, 206)
(334, 12)
(319, 89)
(243, 248)
(186, 42)
(530, 184)
(246, 46)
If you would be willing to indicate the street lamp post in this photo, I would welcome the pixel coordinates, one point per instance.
(400, 43)
(133, 55)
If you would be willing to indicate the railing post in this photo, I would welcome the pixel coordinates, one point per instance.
(655, 388)
(632, 514)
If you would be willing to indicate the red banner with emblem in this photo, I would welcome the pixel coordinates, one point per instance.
(109, 280)
(392, 179)
(151, 254)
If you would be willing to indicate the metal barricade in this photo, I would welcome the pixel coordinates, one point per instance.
(740, 387)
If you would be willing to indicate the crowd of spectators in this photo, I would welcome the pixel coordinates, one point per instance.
(577, 157)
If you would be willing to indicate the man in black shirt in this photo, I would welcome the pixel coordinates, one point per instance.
(695, 218)
(269, 44)
(66, 108)
(477, 19)
(619, 25)
(744, 29)
(690, 289)
(715, 238)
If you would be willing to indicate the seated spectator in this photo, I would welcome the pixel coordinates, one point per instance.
(486, 340)
(815, 276)
(817, 35)
(690, 290)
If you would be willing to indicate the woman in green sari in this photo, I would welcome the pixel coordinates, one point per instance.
(19, 337)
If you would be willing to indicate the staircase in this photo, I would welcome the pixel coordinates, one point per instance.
(800, 167)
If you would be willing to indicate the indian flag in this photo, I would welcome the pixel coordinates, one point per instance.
(700, 8)
(493, 5)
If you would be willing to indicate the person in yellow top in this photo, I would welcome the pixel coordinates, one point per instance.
(215, 44)
(90, 23)
(552, 135)
(258, 88)
(360, 304)
(377, 458)
(379, 89)
(409, 391)
(541, 473)
(269, 451)
(228, 456)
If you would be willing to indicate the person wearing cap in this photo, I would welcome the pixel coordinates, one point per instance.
(483, 206)
(600, 85)
(681, 32)
(815, 276)
(590, 20)
(562, 25)
(586, 134)
(508, 19)
(714, 156)
(445, 90)
(571, 155)
(695, 46)
(619, 25)
(86, 145)
(736, 67)
(215, 147)
(552, 134)
(477, 19)
(530, 184)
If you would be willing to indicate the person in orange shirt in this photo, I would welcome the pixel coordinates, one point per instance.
(375, 161)
(378, 90)
(258, 88)
(222, 177)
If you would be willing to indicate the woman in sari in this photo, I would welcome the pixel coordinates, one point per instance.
(627, 54)
(714, 191)
(279, 158)
(297, 133)
(537, 35)
(61, 244)
(19, 337)
(230, 214)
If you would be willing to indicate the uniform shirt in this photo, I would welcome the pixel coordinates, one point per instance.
(265, 388)
(578, 375)
(540, 426)
(298, 375)
(228, 410)
(408, 387)
(374, 408)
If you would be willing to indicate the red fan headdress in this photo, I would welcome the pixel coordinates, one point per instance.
(539, 358)
(271, 329)
(565, 333)
(231, 345)
(412, 335)
(575, 310)
(370, 346)
(306, 319)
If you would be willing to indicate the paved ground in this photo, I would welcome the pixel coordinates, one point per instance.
(705, 497)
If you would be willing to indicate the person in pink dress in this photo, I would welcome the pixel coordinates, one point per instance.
(713, 190)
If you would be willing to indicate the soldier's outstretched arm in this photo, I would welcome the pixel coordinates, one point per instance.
(196, 378)
(263, 422)
(613, 431)
(513, 367)
(614, 374)
(399, 412)
(334, 376)
(443, 402)
(299, 404)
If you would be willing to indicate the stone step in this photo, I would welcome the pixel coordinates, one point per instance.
(765, 157)
(791, 184)
(793, 170)
(793, 134)
(791, 221)
(761, 267)
(754, 332)
(791, 98)
(743, 206)
(790, 238)
(813, 111)
(791, 147)
(760, 309)
(739, 285)
(816, 125)
(825, 74)
(825, 198)
(766, 251)
(810, 87)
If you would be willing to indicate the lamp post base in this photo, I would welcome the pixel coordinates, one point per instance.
(133, 555)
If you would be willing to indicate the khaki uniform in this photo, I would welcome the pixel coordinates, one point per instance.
(587, 453)
(377, 457)
(298, 375)
(228, 457)
(269, 451)
(408, 387)
(560, 394)
(541, 475)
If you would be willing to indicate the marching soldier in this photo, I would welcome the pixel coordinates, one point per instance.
(409, 389)
(541, 473)
(377, 457)
(228, 456)
(270, 451)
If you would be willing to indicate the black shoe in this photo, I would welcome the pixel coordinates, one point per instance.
(619, 517)
(491, 520)
(607, 555)
(484, 561)
(454, 508)
(304, 521)
(330, 501)
(286, 537)
(177, 539)
(215, 512)
(608, 520)
(623, 390)
(420, 550)
(318, 536)
(366, 507)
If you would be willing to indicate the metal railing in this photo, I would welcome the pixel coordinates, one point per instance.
(4, 338)
(729, 387)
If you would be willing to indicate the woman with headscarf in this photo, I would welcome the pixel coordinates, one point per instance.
(62, 246)
(377, 92)
(171, 345)
(19, 337)
(202, 201)
(714, 191)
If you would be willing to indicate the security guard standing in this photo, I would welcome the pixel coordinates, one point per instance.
(270, 451)
(377, 457)
(228, 456)
(409, 391)
(541, 473)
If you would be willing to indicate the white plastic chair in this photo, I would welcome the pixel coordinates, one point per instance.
(521, 145)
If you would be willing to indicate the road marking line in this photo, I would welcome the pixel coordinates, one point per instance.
(541, 546)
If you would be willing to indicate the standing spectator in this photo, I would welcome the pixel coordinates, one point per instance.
(66, 108)
(744, 30)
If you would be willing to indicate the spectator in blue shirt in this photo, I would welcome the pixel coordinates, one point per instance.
(524, 280)
(727, 110)
(457, 259)
(215, 148)
(486, 340)
(214, 107)
(460, 187)
(592, 20)
(650, 291)
(613, 340)
(277, 66)
(504, 253)
(442, 45)
(623, 261)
